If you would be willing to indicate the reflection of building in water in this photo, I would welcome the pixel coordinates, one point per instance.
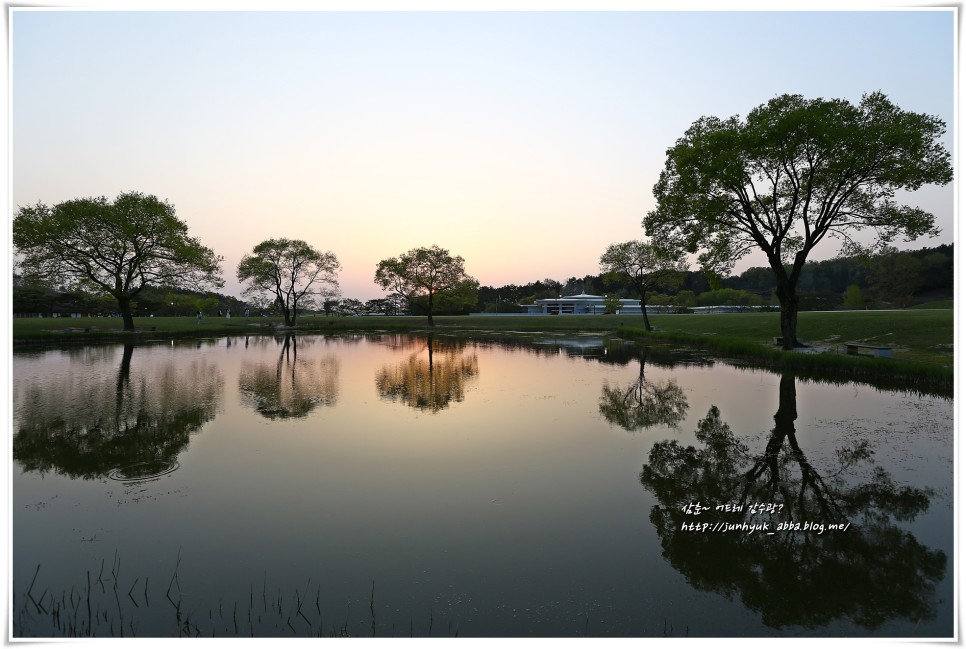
(575, 346)
(291, 386)
(430, 382)
(87, 429)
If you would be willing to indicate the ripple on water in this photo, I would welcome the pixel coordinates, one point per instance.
(143, 470)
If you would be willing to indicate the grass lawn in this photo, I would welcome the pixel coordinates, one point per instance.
(920, 335)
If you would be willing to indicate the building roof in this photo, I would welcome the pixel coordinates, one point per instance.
(582, 296)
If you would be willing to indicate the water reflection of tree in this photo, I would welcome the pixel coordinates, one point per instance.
(871, 573)
(397, 342)
(430, 382)
(643, 404)
(87, 428)
(292, 386)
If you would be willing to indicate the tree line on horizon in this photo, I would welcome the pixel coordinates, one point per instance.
(792, 173)
(894, 279)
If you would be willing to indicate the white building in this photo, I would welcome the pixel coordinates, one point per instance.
(580, 304)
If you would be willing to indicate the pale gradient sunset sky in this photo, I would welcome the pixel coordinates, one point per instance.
(524, 141)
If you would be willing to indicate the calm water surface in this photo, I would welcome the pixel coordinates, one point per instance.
(540, 486)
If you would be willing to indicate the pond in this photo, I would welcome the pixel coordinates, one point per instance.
(474, 485)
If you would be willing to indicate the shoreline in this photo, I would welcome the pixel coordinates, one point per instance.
(915, 335)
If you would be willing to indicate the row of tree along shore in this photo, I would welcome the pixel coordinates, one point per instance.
(791, 174)
(890, 280)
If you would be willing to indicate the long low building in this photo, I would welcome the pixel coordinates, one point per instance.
(580, 304)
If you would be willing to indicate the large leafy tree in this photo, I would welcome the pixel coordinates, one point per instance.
(421, 274)
(792, 173)
(644, 266)
(459, 300)
(292, 273)
(115, 248)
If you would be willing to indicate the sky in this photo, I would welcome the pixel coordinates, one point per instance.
(524, 141)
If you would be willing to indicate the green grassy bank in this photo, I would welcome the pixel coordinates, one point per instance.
(922, 340)
(921, 335)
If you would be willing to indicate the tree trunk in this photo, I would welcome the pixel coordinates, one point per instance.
(788, 299)
(787, 406)
(784, 428)
(429, 312)
(647, 323)
(286, 313)
(123, 382)
(124, 305)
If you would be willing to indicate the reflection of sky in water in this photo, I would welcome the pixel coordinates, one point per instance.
(518, 496)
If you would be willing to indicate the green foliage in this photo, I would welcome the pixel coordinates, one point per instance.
(853, 298)
(792, 173)
(937, 269)
(185, 304)
(330, 305)
(612, 302)
(291, 273)
(645, 267)
(113, 248)
(167, 301)
(835, 166)
(545, 294)
(386, 306)
(820, 278)
(511, 296)
(728, 297)
(350, 306)
(895, 276)
(460, 300)
(686, 299)
(927, 272)
(660, 299)
(819, 300)
(31, 296)
(423, 273)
